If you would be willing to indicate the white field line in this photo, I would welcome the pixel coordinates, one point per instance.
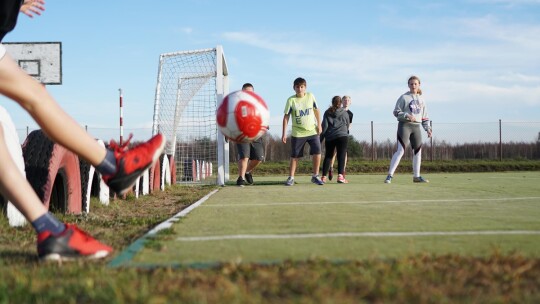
(168, 223)
(352, 234)
(459, 200)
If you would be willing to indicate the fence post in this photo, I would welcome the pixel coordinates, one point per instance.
(372, 144)
(431, 139)
(500, 140)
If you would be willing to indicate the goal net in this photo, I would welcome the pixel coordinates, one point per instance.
(189, 87)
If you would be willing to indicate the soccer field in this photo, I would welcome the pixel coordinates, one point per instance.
(468, 214)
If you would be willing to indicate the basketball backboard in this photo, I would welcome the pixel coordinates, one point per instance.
(41, 60)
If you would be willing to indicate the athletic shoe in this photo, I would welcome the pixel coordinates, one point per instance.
(316, 180)
(419, 180)
(240, 182)
(388, 179)
(71, 244)
(341, 179)
(131, 163)
(249, 178)
(289, 182)
(323, 179)
(330, 175)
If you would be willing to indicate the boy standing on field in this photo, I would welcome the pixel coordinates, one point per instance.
(306, 127)
(250, 155)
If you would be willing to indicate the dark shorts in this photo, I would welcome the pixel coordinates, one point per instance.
(298, 143)
(9, 11)
(253, 151)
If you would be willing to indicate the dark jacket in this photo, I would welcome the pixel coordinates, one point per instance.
(335, 124)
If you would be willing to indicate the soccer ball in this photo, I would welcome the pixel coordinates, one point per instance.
(243, 116)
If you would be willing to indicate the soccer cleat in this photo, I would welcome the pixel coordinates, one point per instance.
(388, 179)
(323, 179)
(131, 163)
(316, 180)
(71, 244)
(289, 182)
(341, 179)
(330, 174)
(419, 179)
(249, 178)
(240, 182)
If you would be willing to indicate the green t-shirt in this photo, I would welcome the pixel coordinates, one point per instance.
(302, 114)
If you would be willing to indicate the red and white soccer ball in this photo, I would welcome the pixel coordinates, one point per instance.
(243, 116)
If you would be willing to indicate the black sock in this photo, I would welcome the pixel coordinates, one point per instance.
(48, 222)
(108, 165)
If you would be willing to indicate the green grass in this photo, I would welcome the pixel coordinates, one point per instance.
(449, 203)
(411, 270)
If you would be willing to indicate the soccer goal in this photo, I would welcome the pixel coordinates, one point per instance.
(189, 87)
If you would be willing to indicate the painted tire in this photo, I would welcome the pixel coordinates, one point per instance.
(144, 183)
(155, 177)
(53, 173)
(172, 165)
(165, 169)
(87, 175)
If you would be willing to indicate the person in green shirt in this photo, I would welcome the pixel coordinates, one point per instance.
(306, 126)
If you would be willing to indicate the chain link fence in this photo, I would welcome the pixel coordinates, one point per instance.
(375, 141)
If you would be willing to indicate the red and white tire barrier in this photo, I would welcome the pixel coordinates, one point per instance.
(53, 172)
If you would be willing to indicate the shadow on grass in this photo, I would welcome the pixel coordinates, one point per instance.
(18, 257)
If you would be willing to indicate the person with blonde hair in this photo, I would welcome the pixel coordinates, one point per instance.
(411, 113)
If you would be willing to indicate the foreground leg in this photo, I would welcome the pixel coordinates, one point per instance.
(56, 241)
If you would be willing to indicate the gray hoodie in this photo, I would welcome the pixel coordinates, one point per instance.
(335, 124)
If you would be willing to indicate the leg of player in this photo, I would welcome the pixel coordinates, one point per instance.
(56, 240)
(252, 164)
(330, 171)
(292, 169)
(396, 158)
(61, 128)
(242, 167)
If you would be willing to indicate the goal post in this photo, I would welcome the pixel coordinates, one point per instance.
(190, 85)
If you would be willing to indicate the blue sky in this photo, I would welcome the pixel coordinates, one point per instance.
(478, 59)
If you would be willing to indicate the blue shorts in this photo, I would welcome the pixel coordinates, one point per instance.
(298, 143)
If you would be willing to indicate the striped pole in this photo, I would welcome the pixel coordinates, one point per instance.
(121, 119)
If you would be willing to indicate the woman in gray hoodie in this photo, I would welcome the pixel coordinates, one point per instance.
(335, 126)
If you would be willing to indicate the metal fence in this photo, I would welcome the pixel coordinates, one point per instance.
(484, 140)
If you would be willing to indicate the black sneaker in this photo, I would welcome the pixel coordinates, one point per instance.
(249, 178)
(240, 182)
(330, 174)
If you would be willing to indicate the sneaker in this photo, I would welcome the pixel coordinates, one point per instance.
(131, 163)
(240, 182)
(323, 179)
(341, 179)
(330, 175)
(388, 179)
(289, 182)
(71, 244)
(419, 179)
(249, 178)
(316, 180)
